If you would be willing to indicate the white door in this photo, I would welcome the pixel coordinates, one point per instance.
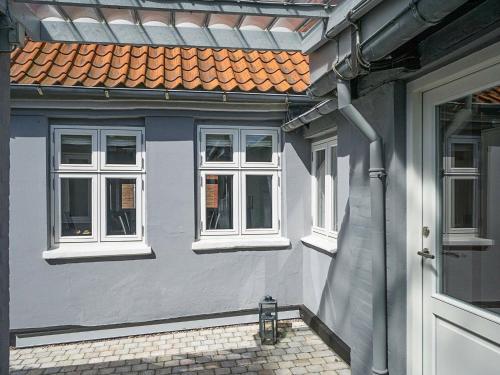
(461, 210)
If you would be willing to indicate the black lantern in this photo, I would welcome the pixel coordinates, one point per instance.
(268, 320)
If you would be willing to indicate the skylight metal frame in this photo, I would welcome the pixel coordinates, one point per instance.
(50, 20)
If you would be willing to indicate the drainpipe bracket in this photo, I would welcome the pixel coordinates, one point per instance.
(380, 372)
(377, 173)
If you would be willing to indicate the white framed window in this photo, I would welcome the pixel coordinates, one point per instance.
(74, 149)
(97, 177)
(121, 150)
(219, 148)
(121, 207)
(259, 148)
(239, 181)
(75, 212)
(219, 202)
(461, 177)
(259, 202)
(324, 187)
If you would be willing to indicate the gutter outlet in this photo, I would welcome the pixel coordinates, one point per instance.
(377, 197)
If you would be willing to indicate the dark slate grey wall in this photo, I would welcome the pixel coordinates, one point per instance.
(338, 289)
(4, 211)
(176, 281)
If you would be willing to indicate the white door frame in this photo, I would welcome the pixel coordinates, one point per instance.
(415, 90)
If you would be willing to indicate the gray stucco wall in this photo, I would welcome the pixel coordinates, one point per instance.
(176, 282)
(338, 288)
(4, 211)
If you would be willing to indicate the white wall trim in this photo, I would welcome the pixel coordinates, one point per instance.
(415, 89)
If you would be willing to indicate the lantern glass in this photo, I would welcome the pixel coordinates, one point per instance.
(268, 319)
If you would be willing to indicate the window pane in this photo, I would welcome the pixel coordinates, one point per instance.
(259, 193)
(219, 147)
(121, 206)
(462, 155)
(121, 149)
(333, 167)
(76, 149)
(219, 202)
(320, 169)
(76, 207)
(259, 148)
(463, 203)
(469, 258)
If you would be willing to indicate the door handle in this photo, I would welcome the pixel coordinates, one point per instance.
(425, 254)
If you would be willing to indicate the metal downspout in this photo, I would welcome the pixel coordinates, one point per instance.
(377, 197)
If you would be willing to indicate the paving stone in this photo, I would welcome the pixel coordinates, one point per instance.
(217, 351)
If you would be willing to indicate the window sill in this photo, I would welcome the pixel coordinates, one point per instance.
(240, 243)
(464, 240)
(327, 244)
(93, 250)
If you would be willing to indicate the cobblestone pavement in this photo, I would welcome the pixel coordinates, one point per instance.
(225, 350)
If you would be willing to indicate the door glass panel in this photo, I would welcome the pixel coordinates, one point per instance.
(121, 149)
(320, 173)
(259, 148)
(219, 147)
(121, 207)
(76, 149)
(76, 207)
(259, 193)
(219, 202)
(469, 256)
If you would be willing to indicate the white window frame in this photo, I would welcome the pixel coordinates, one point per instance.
(56, 149)
(275, 154)
(139, 162)
(138, 202)
(239, 169)
(203, 144)
(275, 202)
(98, 172)
(56, 216)
(219, 232)
(331, 225)
(453, 173)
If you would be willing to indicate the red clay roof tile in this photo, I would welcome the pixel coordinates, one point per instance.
(94, 65)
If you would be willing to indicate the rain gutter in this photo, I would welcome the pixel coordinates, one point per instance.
(319, 110)
(418, 16)
(91, 93)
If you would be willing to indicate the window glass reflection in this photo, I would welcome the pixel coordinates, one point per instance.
(259, 190)
(121, 149)
(259, 148)
(76, 149)
(469, 260)
(76, 207)
(219, 147)
(219, 202)
(320, 174)
(121, 206)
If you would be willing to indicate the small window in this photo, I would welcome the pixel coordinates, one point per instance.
(74, 149)
(259, 148)
(121, 150)
(219, 147)
(75, 207)
(324, 187)
(259, 202)
(239, 184)
(97, 186)
(461, 176)
(220, 202)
